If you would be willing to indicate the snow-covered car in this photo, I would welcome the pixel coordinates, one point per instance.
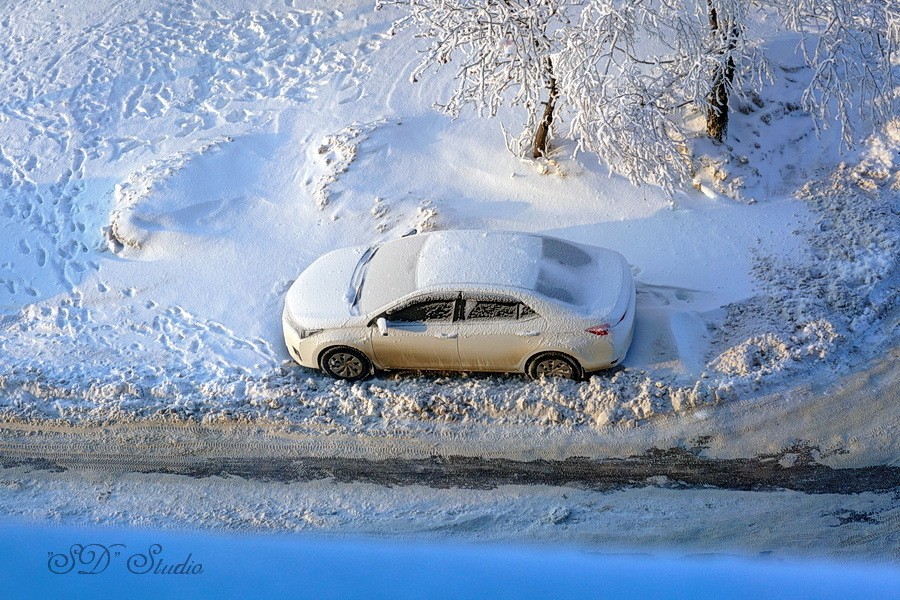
(463, 301)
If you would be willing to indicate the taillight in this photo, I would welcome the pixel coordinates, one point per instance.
(605, 327)
(599, 329)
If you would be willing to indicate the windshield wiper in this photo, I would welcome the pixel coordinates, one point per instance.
(357, 279)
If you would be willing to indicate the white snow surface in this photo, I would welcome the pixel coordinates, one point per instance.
(168, 169)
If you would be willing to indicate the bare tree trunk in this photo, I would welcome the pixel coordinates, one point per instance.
(542, 135)
(717, 113)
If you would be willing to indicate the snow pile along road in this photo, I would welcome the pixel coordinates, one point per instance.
(167, 172)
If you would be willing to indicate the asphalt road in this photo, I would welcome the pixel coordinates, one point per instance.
(792, 469)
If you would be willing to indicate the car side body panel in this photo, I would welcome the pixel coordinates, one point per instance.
(499, 345)
(307, 351)
(428, 346)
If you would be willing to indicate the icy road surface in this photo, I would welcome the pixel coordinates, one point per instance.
(821, 482)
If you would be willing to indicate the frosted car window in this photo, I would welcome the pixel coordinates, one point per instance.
(562, 272)
(564, 253)
(525, 311)
(432, 311)
(391, 273)
(552, 289)
(491, 309)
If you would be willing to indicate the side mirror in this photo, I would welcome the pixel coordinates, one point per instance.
(381, 323)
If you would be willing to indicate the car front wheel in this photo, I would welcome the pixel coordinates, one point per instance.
(554, 364)
(342, 362)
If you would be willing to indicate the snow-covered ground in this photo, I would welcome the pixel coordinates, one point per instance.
(168, 168)
(167, 172)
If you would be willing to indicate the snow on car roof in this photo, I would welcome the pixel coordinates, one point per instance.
(479, 257)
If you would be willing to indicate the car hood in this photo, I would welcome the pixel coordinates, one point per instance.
(321, 296)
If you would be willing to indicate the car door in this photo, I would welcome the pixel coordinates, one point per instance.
(421, 334)
(497, 332)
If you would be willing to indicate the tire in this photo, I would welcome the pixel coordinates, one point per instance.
(343, 362)
(553, 364)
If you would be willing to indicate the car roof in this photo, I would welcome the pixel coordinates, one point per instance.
(462, 259)
(479, 258)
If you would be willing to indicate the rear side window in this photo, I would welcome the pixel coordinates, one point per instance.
(430, 311)
(547, 286)
(496, 309)
(490, 309)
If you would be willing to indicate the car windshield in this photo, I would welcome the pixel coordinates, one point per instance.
(390, 274)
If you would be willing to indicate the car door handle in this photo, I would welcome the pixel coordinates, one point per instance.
(445, 336)
(528, 333)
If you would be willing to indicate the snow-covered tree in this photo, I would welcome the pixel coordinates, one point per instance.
(631, 71)
(627, 74)
(850, 46)
(503, 49)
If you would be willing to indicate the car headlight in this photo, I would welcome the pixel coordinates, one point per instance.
(301, 331)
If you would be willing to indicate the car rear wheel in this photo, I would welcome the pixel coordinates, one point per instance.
(554, 364)
(342, 362)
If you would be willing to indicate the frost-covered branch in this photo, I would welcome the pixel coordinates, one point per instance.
(628, 74)
(850, 46)
(620, 101)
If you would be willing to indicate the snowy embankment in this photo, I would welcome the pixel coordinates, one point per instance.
(167, 172)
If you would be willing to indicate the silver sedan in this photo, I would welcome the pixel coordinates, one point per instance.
(463, 301)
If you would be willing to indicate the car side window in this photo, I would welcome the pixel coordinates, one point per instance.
(428, 311)
(491, 309)
(525, 311)
(496, 309)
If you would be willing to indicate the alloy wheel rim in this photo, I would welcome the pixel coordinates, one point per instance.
(345, 365)
(555, 367)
